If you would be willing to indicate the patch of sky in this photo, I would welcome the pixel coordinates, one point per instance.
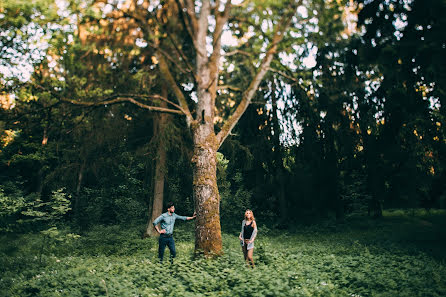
(310, 60)
(211, 23)
(141, 42)
(434, 103)
(227, 39)
(62, 6)
(230, 68)
(209, 47)
(302, 11)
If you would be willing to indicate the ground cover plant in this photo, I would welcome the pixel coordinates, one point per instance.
(398, 255)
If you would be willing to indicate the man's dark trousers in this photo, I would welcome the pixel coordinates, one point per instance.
(163, 241)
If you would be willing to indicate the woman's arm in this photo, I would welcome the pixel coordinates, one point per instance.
(241, 232)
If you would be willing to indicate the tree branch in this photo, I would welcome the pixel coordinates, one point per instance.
(225, 87)
(121, 100)
(190, 9)
(281, 73)
(202, 30)
(190, 21)
(234, 52)
(153, 97)
(168, 77)
(180, 53)
(220, 20)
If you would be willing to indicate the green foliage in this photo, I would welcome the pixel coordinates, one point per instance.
(10, 207)
(111, 241)
(122, 202)
(25, 30)
(354, 195)
(235, 198)
(363, 258)
(48, 215)
(51, 211)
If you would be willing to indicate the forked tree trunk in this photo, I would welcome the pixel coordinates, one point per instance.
(206, 143)
(204, 163)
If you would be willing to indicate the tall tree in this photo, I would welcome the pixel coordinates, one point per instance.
(182, 40)
(204, 21)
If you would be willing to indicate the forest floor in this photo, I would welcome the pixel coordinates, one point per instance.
(400, 254)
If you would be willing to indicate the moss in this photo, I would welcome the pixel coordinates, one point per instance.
(194, 125)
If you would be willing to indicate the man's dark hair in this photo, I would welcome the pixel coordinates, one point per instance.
(170, 204)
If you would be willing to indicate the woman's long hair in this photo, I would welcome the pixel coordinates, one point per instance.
(252, 215)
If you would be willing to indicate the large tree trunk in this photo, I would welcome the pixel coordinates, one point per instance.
(204, 162)
(207, 199)
(160, 170)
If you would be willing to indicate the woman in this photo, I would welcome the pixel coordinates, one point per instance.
(248, 235)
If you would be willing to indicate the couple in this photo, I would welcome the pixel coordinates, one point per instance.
(167, 221)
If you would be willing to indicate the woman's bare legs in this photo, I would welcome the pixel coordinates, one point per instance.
(249, 257)
(245, 252)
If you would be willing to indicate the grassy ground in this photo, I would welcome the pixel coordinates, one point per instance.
(398, 255)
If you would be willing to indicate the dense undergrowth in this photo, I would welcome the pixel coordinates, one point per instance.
(398, 255)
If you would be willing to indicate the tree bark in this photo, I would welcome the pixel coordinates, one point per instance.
(158, 192)
(206, 196)
(204, 162)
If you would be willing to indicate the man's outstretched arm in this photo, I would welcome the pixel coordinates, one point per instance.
(184, 218)
(192, 217)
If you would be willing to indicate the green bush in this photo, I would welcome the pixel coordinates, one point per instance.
(10, 208)
(233, 202)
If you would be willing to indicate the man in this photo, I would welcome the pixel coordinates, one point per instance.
(167, 221)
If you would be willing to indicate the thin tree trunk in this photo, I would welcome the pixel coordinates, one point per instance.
(160, 170)
(41, 173)
(80, 177)
(158, 192)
